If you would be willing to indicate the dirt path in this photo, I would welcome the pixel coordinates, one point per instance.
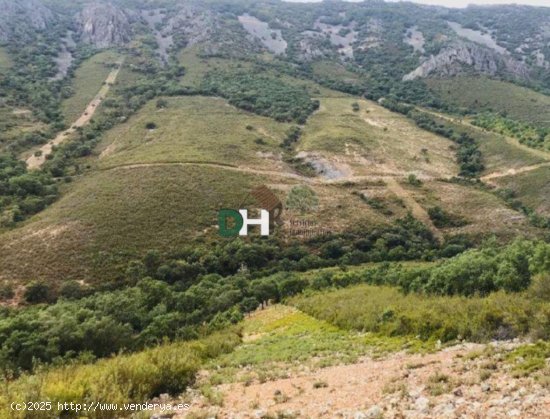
(244, 169)
(34, 161)
(512, 172)
(389, 178)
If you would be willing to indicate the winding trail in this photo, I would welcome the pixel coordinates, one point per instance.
(36, 161)
(245, 169)
(512, 172)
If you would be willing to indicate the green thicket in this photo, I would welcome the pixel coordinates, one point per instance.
(384, 310)
(123, 379)
(261, 94)
(476, 271)
(22, 193)
(536, 137)
(442, 218)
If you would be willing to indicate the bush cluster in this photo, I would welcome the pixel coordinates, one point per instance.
(168, 368)
(261, 94)
(22, 193)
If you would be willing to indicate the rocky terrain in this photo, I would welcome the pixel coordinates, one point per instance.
(104, 25)
(462, 57)
(18, 16)
(466, 380)
(444, 44)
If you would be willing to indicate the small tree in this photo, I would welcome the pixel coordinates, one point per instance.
(6, 291)
(162, 103)
(413, 180)
(38, 292)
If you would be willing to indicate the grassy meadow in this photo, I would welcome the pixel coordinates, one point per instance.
(112, 215)
(366, 138)
(222, 134)
(480, 210)
(280, 340)
(387, 311)
(532, 188)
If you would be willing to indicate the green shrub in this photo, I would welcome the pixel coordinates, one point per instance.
(413, 180)
(38, 292)
(6, 291)
(302, 199)
(442, 218)
(168, 368)
(386, 311)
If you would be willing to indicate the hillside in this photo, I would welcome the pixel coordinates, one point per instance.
(353, 374)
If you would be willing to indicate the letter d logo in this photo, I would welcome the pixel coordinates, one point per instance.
(224, 230)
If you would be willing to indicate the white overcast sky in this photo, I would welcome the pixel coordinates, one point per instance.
(461, 3)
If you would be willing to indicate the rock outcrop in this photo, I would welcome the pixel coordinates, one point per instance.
(104, 25)
(461, 57)
(193, 24)
(17, 16)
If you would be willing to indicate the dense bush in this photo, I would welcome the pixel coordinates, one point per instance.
(474, 272)
(261, 94)
(387, 311)
(22, 193)
(442, 218)
(168, 368)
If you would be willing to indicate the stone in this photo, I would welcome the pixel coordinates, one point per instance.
(374, 412)
(422, 404)
(259, 414)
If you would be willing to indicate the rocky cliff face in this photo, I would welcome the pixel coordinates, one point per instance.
(104, 25)
(463, 56)
(193, 24)
(18, 16)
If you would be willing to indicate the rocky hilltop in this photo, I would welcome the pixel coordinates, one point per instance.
(104, 25)
(19, 16)
(468, 56)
